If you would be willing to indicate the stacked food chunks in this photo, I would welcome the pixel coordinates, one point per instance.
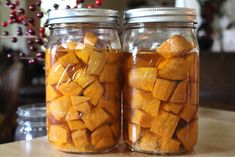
(83, 96)
(161, 98)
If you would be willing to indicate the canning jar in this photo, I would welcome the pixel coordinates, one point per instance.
(82, 80)
(161, 72)
(31, 122)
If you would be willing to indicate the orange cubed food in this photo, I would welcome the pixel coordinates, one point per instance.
(105, 142)
(72, 114)
(115, 127)
(133, 132)
(175, 46)
(70, 89)
(68, 59)
(88, 123)
(137, 62)
(78, 99)
(109, 74)
(173, 69)
(103, 131)
(57, 74)
(58, 134)
(193, 63)
(59, 107)
(82, 78)
(172, 107)
(58, 51)
(150, 141)
(110, 107)
(72, 70)
(138, 98)
(71, 45)
(188, 135)
(84, 54)
(164, 124)
(51, 93)
(96, 63)
(141, 118)
(76, 125)
(94, 91)
(152, 107)
(48, 60)
(188, 112)
(163, 89)
(193, 96)
(90, 39)
(180, 94)
(143, 78)
(83, 107)
(80, 139)
(99, 117)
(170, 145)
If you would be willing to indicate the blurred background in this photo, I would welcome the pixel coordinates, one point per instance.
(22, 83)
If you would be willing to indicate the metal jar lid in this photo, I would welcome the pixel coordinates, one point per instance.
(83, 16)
(160, 15)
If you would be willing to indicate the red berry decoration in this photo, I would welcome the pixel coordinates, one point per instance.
(8, 3)
(21, 54)
(14, 39)
(4, 24)
(42, 30)
(40, 14)
(32, 7)
(79, 1)
(90, 6)
(21, 11)
(68, 7)
(56, 6)
(98, 2)
(32, 61)
(9, 55)
(12, 6)
(5, 33)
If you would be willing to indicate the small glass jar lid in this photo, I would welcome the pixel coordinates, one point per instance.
(160, 15)
(83, 16)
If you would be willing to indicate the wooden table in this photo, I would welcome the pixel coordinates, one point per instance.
(216, 139)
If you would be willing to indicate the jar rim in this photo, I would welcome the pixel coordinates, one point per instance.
(32, 110)
(163, 14)
(83, 15)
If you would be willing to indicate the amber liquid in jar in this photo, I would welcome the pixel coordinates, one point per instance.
(83, 96)
(161, 98)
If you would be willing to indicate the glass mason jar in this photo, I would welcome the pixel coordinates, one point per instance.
(31, 122)
(82, 80)
(161, 77)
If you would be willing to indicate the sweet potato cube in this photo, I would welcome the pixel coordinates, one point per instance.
(90, 39)
(110, 107)
(82, 78)
(173, 69)
(170, 146)
(133, 132)
(70, 89)
(164, 124)
(80, 139)
(99, 117)
(143, 78)
(57, 52)
(175, 46)
(58, 134)
(51, 93)
(193, 63)
(193, 96)
(68, 59)
(57, 74)
(188, 112)
(180, 94)
(59, 107)
(84, 54)
(138, 98)
(163, 89)
(116, 130)
(76, 125)
(94, 91)
(88, 123)
(150, 141)
(78, 99)
(188, 135)
(71, 45)
(105, 142)
(109, 74)
(141, 118)
(83, 107)
(103, 131)
(96, 63)
(152, 107)
(172, 107)
(72, 114)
